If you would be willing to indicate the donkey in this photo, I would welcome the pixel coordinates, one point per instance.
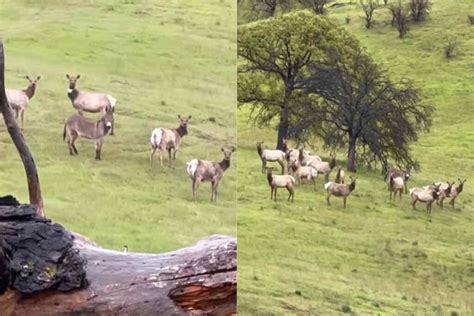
(19, 99)
(212, 171)
(78, 126)
(91, 102)
(168, 139)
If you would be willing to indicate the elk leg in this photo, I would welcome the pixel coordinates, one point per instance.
(326, 177)
(282, 166)
(413, 204)
(16, 113)
(22, 114)
(169, 156)
(452, 202)
(161, 157)
(264, 165)
(72, 149)
(345, 198)
(196, 182)
(71, 152)
(327, 199)
(314, 184)
(400, 194)
(153, 150)
(275, 196)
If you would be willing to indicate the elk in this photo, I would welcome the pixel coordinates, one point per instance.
(304, 172)
(19, 99)
(283, 181)
(268, 155)
(340, 190)
(339, 176)
(444, 192)
(455, 191)
(204, 170)
(91, 102)
(169, 140)
(78, 126)
(425, 195)
(306, 159)
(320, 166)
(398, 173)
(396, 184)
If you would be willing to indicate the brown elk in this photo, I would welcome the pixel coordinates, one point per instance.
(340, 190)
(169, 140)
(281, 181)
(212, 171)
(92, 102)
(19, 99)
(77, 126)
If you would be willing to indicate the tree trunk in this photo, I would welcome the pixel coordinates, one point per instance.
(34, 189)
(284, 117)
(351, 156)
(199, 280)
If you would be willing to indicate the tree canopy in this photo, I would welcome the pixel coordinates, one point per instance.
(275, 54)
(314, 79)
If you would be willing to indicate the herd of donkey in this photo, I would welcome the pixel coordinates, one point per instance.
(162, 139)
(301, 165)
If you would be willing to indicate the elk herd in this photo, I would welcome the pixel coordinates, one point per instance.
(304, 167)
(162, 139)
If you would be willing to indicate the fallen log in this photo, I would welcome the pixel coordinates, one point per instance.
(199, 280)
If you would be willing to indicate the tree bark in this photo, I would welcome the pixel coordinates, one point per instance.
(34, 189)
(199, 280)
(284, 117)
(351, 156)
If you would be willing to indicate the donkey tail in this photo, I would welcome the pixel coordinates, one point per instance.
(64, 133)
(155, 138)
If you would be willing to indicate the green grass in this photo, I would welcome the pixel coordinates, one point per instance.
(158, 59)
(376, 257)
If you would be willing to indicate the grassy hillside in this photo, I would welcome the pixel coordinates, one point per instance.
(375, 256)
(158, 59)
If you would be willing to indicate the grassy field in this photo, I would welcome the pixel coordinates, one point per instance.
(158, 59)
(375, 257)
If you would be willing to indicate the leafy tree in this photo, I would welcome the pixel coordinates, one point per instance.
(420, 9)
(274, 54)
(369, 9)
(316, 5)
(261, 9)
(353, 104)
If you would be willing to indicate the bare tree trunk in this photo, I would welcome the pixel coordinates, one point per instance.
(34, 189)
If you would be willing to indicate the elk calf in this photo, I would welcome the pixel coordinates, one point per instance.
(425, 195)
(169, 140)
(19, 99)
(395, 184)
(340, 190)
(405, 175)
(78, 126)
(268, 155)
(304, 172)
(455, 191)
(204, 170)
(283, 181)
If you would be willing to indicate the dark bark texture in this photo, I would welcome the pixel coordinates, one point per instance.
(199, 280)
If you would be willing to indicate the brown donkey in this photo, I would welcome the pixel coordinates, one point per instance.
(91, 102)
(168, 139)
(78, 126)
(19, 99)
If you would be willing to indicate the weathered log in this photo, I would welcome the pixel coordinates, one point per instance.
(199, 280)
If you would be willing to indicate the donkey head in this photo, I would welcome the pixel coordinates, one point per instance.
(183, 125)
(108, 119)
(32, 82)
(228, 153)
(72, 81)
